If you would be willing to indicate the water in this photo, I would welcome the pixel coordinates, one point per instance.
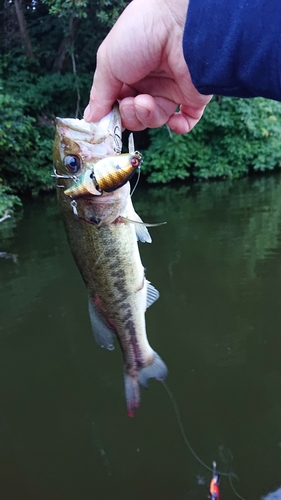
(64, 432)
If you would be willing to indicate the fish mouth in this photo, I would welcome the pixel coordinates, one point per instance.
(103, 137)
(93, 198)
(105, 197)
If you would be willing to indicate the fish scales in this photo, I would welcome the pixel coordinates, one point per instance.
(119, 287)
(103, 241)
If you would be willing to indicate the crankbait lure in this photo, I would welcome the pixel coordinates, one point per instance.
(107, 175)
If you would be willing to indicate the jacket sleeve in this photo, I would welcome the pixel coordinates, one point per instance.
(232, 47)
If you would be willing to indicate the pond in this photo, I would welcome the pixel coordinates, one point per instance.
(64, 431)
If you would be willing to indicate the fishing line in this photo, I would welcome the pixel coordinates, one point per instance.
(137, 181)
(230, 475)
(233, 489)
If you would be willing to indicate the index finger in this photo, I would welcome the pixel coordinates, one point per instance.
(105, 90)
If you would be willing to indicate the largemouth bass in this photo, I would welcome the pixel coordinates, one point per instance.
(102, 230)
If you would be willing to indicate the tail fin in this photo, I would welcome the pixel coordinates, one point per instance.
(157, 369)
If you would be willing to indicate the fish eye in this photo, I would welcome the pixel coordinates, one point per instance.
(72, 163)
(135, 161)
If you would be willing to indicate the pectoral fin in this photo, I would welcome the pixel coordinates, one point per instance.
(139, 221)
(141, 231)
(103, 335)
(131, 217)
(140, 226)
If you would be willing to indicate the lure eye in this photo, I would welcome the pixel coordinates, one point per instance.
(135, 161)
(72, 163)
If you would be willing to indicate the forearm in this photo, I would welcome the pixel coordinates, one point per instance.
(232, 47)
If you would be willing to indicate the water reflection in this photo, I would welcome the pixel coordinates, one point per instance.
(64, 432)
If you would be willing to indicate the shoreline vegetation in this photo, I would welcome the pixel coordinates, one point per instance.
(46, 66)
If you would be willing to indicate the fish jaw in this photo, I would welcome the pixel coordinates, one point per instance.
(99, 211)
(95, 139)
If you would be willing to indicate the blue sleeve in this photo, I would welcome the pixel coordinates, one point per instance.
(232, 47)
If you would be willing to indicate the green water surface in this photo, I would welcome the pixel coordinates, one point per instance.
(64, 431)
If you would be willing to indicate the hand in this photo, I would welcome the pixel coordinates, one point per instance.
(141, 64)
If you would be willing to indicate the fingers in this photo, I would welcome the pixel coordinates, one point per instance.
(186, 119)
(145, 111)
(182, 123)
(97, 108)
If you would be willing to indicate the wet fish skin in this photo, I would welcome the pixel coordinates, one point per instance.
(105, 249)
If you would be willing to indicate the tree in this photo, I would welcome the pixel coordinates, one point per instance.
(23, 30)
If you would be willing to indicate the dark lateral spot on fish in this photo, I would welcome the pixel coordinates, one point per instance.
(133, 341)
(120, 285)
(114, 265)
(128, 315)
(108, 253)
(95, 220)
(119, 273)
(131, 327)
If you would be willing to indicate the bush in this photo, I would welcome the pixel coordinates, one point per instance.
(29, 102)
(25, 153)
(234, 137)
(8, 201)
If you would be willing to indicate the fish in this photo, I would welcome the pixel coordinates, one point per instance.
(103, 231)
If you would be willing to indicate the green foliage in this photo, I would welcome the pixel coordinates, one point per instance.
(64, 8)
(234, 137)
(24, 151)
(47, 95)
(109, 11)
(64, 35)
(8, 201)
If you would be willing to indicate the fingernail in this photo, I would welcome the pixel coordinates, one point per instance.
(87, 113)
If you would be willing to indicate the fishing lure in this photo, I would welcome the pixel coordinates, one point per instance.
(215, 484)
(107, 175)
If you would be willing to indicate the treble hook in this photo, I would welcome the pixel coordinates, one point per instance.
(73, 205)
(63, 176)
(117, 139)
